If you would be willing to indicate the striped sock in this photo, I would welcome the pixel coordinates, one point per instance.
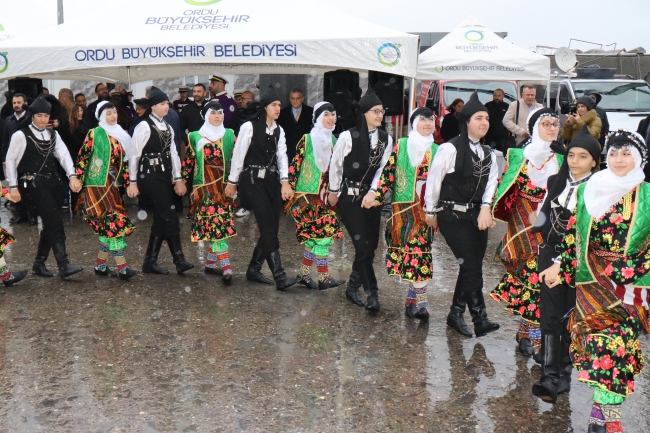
(421, 294)
(535, 334)
(522, 332)
(411, 297)
(596, 416)
(211, 261)
(323, 269)
(120, 260)
(224, 261)
(5, 273)
(102, 256)
(307, 262)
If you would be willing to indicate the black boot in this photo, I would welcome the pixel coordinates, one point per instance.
(595, 428)
(150, 264)
(213, 271)
(125, 276)
(65, 268)
(411, 310)
(107, 272)
(175, 247)
(372, 302)
(282, 282)
(455, 317)
(422, 314)
(566, 367)
(352, 291)
(476, 305)
(254, 272)
(546, 389)
(526, 347)
(309, 283)
(333, 282)
(41, 256)
(14, 278)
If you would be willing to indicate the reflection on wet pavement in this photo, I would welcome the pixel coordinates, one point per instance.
(187, 354)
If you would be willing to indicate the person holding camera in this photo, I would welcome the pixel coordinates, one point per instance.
(583, 114)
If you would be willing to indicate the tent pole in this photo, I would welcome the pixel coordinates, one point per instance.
(548, 94)
(411, 101)
(128, 75)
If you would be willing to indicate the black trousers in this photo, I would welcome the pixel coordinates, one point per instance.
(363, 225)
(555, 303)
(157, 194)
(468, 244)
(46, 202)
(264, 197)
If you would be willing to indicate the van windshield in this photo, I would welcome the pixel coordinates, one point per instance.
(464, 89)
(618, 96)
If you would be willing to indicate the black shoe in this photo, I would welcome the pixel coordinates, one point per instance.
(41, 256)
(107, 272)
(227, 279)
(526, 347)
(538, 357)
(19, 219)
(62, 261)
(333, 282)
(372, 303)
(125, 276)
(476, 306)
(14, 278)
(310, 284)
(422, 314)
(411, 310)
(546, 388)
(213, 271)
(455, 320)
(150, 264)
(282, 281)
(595, 428)
(175, 247)
(254, 271)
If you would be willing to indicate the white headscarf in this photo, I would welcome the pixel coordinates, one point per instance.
(209, 132)
(321, 140)
(418, 144)
(115, 130)
(537, 151)
(605, 189)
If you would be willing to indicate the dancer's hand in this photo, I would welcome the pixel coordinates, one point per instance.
(332, 199)
(369, 200)
(432, 221)
(14, 195)
(75, 185)
(231, 190)
(132, 190)
(485, 220)
(180, 188)
(287, 192)
(551, 276)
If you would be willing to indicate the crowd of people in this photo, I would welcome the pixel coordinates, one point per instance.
(575, 248)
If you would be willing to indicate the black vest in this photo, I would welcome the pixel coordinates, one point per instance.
(156, 147)
(33, 161)
(261, 151)
(467, 189)
(361, 164)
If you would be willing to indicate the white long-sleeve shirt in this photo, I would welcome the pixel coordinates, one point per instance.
(444, 163)
(17, 147)
(241, 149)
(343, 148)
(141, 135)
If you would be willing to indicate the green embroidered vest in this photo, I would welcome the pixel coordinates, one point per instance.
(310, 176)
(638, 235)
(227, 145)
(406, 174)
(516, 161)
(100, 160)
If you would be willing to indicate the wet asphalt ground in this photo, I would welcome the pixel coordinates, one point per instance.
(188, 354)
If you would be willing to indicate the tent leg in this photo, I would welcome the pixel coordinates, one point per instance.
(411, 101)
(128, 75)
(548, 94)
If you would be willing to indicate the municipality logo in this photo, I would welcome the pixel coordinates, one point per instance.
(4, 62)
(201, 2)
(474, 35)
(389, 54)
(2, 29)
(439, 69)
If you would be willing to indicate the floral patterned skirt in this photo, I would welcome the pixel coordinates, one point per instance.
(6, 238)
(213, 221)
(408, 238)
(314, 220)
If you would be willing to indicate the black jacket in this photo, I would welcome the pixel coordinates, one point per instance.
(11, 126)
(73, 139)
(450, 127)
(191, 119)
(497, 131)
(293, 131)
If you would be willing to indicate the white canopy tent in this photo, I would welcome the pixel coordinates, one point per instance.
(171, 38)
(473, 52)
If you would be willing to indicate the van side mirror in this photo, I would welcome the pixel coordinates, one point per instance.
(564, 107)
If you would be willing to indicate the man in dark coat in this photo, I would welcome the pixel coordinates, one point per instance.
(102, 95)
(497, 134)
(191, 119)
(295, 120)
(602, 114)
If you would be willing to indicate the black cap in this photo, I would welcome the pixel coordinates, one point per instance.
(369, 100)
(422, 111)
(542, 112)
(269, 95)
(141, 101)
(212, 105)
(156, 96)
(470, 108)
(623, 138)
(585, 140)
(586, 101)
(40, 105)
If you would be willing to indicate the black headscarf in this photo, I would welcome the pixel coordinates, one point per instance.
(422, 111)
(463, 153)
(212, 105)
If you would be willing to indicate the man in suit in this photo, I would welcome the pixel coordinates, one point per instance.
(295, 120)
(516, 122)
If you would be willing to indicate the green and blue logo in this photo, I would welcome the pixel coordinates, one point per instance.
(389, 54)
(201, 2)
(4, 62)
(439, 69)
(474, 35)
(2, 29)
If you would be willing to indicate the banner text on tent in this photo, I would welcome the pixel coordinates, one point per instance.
(205, 19)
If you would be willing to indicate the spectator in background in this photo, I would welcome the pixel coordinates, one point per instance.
(248, 112)
(46, 91)
(602, 115)
(450, 127)
(515, 121)
(218, 92)
(55, 111)
(80, 98)
(128, 105)
(118, 99)
(102, 95)
(73, 130)
(183, 100)
(497, 134)
(65, 97)
(238, 100)
(295, 120)
(6, 110)
(191, 119)
(18, 104)
(141, 107)
(586, 115)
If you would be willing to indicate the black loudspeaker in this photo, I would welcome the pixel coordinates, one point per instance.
(30, 87)
(390, 89)
(340, 81)
(341, 89)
